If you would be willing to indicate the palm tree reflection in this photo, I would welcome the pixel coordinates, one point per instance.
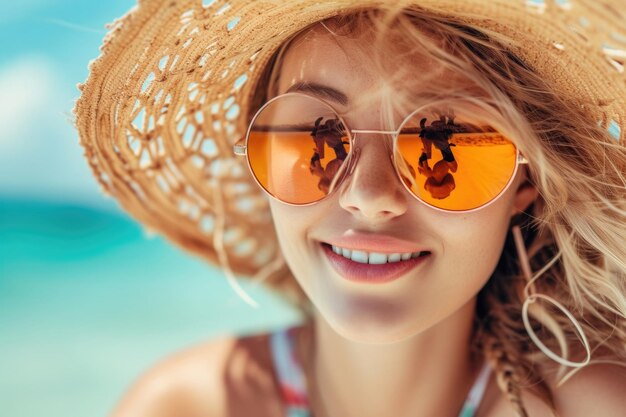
(439, 180)
(330, 133)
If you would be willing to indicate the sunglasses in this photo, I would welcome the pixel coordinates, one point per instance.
(299, 150)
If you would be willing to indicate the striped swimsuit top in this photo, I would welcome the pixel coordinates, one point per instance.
(293, 381)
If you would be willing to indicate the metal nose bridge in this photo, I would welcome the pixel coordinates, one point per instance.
(356, 150)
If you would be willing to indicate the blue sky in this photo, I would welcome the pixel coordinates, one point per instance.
(45, 47)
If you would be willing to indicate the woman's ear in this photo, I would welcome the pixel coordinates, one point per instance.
(525, 194)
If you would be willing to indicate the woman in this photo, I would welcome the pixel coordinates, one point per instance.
(483, 278)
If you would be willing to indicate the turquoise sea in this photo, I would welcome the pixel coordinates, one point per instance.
(88, 302)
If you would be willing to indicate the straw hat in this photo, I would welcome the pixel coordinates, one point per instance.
(171, 93)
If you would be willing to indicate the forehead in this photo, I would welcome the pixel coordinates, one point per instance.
(359, 69)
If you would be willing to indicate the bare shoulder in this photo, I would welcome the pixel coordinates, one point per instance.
(226, 376)
(599, 389)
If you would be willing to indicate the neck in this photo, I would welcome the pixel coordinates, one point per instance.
(428, 373)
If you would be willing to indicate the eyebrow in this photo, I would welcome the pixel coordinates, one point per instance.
(320, 90)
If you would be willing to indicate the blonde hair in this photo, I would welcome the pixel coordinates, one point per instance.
(574, 231)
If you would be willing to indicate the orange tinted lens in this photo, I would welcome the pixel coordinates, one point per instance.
(454, 163)
(297, 146)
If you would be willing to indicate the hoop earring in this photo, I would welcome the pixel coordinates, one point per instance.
(531, 296)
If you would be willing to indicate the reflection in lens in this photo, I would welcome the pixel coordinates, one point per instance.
(453, 161)
(296, 147)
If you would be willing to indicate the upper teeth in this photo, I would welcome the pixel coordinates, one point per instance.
(373, 257)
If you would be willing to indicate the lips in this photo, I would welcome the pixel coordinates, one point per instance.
(371, 273)
(375, 243)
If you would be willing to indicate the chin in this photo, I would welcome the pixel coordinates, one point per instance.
(372, 328)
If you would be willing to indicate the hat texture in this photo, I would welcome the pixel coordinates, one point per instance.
(171, 92)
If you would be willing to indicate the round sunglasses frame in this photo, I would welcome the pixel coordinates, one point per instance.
(241, 149)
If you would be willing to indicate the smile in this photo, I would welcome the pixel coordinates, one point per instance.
(375, 257)
(372, 267)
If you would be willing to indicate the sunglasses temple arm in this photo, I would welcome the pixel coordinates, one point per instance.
(521, 159)
(240, 147)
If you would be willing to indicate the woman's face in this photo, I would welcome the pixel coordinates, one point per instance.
(464, 248)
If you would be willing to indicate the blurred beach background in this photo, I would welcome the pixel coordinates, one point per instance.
(88, 301)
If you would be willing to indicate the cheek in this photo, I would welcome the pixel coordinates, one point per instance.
(478, 245)
(470, 248)
(474, 245)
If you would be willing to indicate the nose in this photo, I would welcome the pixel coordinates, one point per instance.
(372, 189)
